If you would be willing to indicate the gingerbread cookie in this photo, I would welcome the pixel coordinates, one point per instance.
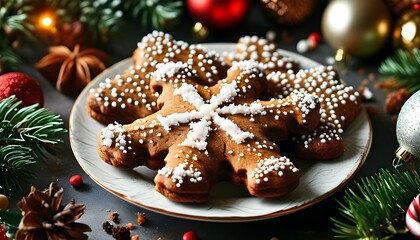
(205, 134)
(128, 96)
(264, 51)
(340, 103)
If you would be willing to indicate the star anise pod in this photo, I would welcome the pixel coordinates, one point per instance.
(44, 217)
(71, 71)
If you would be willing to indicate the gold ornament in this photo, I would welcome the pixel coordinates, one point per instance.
(407, 30)
(4, 202)
(357, 27)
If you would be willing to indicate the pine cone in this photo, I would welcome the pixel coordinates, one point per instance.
(45, 218)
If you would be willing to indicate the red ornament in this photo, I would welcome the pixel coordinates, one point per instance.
(218, 14)
(314, 36)
(76, 180)
(190, 236)
(24, 87)
(3, 235)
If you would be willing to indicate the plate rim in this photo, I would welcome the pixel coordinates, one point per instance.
(318, 199)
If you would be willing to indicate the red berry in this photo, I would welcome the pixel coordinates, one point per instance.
(76, 180)
(24, 87)
(314, 36)
(3, 235)
(190, 236)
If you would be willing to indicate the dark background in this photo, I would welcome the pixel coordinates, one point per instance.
(311, 223)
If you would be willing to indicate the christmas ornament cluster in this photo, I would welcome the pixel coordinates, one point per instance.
(363, 28)
(74, 31)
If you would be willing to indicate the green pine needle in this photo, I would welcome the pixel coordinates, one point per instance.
(102, 18)
(377, 208)
(31, 126)
(155, 13)
(13, 19)
(9, 57)
(15, 162)
(26, 134)
(405, 67)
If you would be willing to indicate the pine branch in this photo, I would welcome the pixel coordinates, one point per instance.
(31, 127)
(12, 23)
(405, 67)
(15, 162)
(9, 58)
(102, 18)
(377, 209)
(155, 13)
(26, 135)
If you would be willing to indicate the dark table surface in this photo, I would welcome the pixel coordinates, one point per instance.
(313, 222)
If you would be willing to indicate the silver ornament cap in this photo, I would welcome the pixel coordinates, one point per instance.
(408, 129)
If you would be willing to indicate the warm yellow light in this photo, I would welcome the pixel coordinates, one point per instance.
(409, 30)
(46, 21)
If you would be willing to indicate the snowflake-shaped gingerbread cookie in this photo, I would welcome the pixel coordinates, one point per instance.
(205, 134)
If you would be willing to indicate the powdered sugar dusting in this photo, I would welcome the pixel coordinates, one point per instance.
(209, 112)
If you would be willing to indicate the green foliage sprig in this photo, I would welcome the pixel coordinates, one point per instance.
(155, 13)
(404, 66)
(27, 135)
(101, 19)
(15, 162)
(12, 23)
(376, 209)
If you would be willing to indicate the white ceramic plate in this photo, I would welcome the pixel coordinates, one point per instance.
(227, 202)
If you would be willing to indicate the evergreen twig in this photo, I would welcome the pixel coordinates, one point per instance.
(100, 19)
(377, 208)
(156, 13)
(15, 162)
(26, 135)
(404, 66)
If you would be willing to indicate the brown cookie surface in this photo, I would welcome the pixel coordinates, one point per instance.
(128, 96)
(340, 103)
(205, 134)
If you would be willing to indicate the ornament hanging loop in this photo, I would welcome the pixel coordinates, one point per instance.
(397, 162)
(403, 154)
(404, 158)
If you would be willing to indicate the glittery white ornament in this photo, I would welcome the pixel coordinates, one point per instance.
(408, 130)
